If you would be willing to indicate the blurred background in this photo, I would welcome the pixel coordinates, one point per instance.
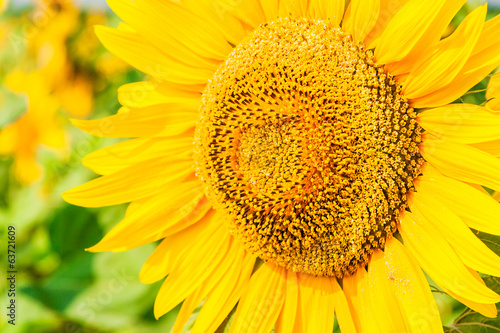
(53, 68)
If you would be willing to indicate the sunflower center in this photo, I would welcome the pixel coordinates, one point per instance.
(308, 147)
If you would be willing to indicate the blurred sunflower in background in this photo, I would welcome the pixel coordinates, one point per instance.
(51, 68)
(303, 159)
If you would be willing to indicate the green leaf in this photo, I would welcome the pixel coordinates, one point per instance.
(473, 322)
(58, 290)
(116, 298)
(491, 241)
(470, 321)
(73, 229)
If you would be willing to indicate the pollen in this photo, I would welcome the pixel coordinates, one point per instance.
(307, 147)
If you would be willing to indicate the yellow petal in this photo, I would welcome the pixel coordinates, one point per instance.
(224, 297)
(159, 120)
(270, 8)
(200, 262)
(462, 123)
(261, 304)
(362, 19)
(218, 14)
(234, 257)
(119, 156)
(471, 250)
(388, 8)
(327, 10)
(429, 39)
(446, 58)
(417, 21)
(384, 304)
(173, 248)
(133, 183)
(297, 8)
(409, 285)
(171, 27)
(182, 202)
(250, 12)
(439, 260)
(493, 91)
(462, 162)
(286, 319)
(316, 304)
(147, 93)
(485, 58)
(488, 310)
(356, 289)
(344, 316)
(136, 51)
(477, 209)
(491, 147)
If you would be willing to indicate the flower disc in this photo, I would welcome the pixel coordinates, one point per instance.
(307, 147)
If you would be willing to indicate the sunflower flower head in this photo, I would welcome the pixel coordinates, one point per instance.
(290, 152)
(278, 148)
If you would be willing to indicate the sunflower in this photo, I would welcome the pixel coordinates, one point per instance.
(49, 80)
(301, 159)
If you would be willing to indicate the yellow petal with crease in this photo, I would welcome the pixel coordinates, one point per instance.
(234, 256)
(439, 260)
(132, 183)
(297, 8)
(446, 58)
(270, 8)
(250, 12)
(156, 215)
(477, 209)
(327, 10)
(356, 289)
(493, 90)
(384, 304)
(170, 25)
(286, 319)
(224, 297)
(202, 260)
(133, 49)
(471, 250)
(462, 162)
(147, 93)
(159, 120)
(400, 37)
(411, 289)
(462, 123)
(362, 19)
(219, 15)
(344, 316)
(388, 8)
(488, 310)
(491, 147)
(119, 156)
(168, 253)
(261, 304)
(485, 58)
(316, 305)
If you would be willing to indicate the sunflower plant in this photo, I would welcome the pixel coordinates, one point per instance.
(304, 162)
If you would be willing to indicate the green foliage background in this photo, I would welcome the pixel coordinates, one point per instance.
(61, 287)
